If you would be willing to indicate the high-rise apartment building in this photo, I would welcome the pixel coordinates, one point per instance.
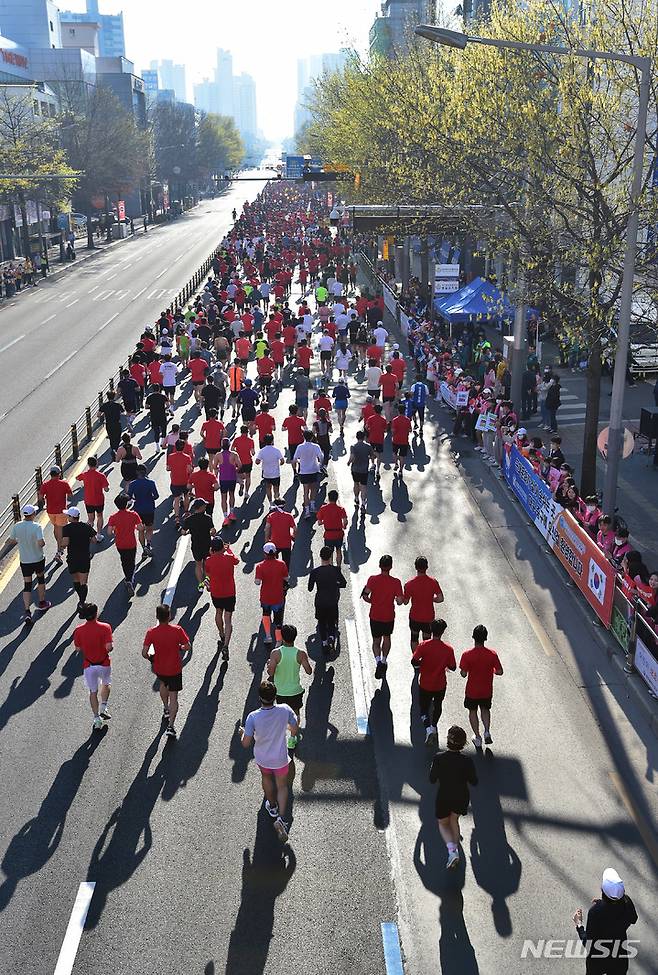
(308, 69)
(231, 95)
(393, 29)
(171, 76)
(111, 38)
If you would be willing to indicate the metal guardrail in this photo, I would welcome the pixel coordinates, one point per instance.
(79, 434)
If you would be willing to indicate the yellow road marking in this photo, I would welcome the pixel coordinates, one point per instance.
(536, 624)
(13, 562)
(643, 828)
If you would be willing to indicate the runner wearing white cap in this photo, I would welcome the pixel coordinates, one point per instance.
(77, 537)
(605, 933)
(28, 536)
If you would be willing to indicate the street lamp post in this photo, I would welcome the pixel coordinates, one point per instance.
(451, 38)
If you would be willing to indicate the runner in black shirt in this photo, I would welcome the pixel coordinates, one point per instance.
(328, 580)
(111, 412)
(200, 527)
(156, 403)
(454, 772)
(77, 538)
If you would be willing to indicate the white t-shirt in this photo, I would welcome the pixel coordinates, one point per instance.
(343, 359)
(373, 374)
(336, 289)
(338, 308)
(269, 729)
(342, 321)
(169, 371)
(309, 456)
(326, 343)
(270, 457)
(380, 335)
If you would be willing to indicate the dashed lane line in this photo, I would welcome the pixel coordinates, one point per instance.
(74, 930)
(9, 345)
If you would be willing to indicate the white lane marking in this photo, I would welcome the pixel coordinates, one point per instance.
(160, 274)
(74, 302)
(392, 951)
(49, 319)
(95, 288)
(176, 569)
(74, 929)
(139, 293)
(103, 295)
(177, 259)
(358, 689)
(59, 366)
(5, 347)
(105, 324)
(112, 276)
(152, 295)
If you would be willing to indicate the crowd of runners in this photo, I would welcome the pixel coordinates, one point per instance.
(279, 322)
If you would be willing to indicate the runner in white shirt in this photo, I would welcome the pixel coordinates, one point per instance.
(169, 371)
(336, 289)
(380, 335)
(373, 375)
(271, 459)
(326, 345)
(307, 462)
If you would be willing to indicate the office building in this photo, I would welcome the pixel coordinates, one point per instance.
(224, 82)
(244, 105)
(31, 23)
(151, 85)
(308, 69)
(230, 95)
(206, 96)
(393, 29)
(171, 76)
(111, 38)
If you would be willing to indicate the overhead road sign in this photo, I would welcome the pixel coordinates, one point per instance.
(419, 219)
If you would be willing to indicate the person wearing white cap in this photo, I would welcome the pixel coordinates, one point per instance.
(380, 335)
(77, 537)
(608, 921)
(28, 535)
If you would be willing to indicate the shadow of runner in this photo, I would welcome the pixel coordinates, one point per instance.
(265, 876)
(35, 842)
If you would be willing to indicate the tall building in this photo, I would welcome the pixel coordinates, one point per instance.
(244, 106)
(171, 76)
(308, 69)
(111, 38)
(392, 30)
(231, 95)
(151, 85)
(224, 82)
(32, 23)
(206, 96)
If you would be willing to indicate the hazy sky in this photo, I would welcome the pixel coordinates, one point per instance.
(265, 36)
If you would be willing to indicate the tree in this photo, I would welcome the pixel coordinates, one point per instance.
(174, 144)
(29, 144)
(546, 139)
(219, 145)
(102, 142)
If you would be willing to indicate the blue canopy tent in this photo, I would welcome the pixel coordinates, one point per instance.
(479, 301)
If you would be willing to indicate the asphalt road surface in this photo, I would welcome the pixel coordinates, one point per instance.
(60, 342)
(189, 877)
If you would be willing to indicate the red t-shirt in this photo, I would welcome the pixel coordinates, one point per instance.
(264, 423)
(167, 640)
(304, 356)
(198, 370)
(480, 664)
(376, 426)
(389, 384)
(434, 656)
(204, 484)
(331, 517)
(289, 335)
(243, 446)
(179, 466)
(294, 425)
(212, 432)
(322, 403)
(367, 410)
(93, 484)
(93, 638)
(421, 590)
(220, 569)
(401, 428)
(123, 524)
(155, 373)
(272, 573)
(375, 352)
(383, 590)
(138, 372)
(55, 491)
(242, 348)
(277, 350)
(281, 525)
(399, 368)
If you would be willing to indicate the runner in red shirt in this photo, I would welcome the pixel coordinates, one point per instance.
(264, 423)
(278, 354)
(163, 645)
(479, 666)
(367, 409)
(179, 466)
(375, 352)
(432, 658)
(94, 641)
(204, 484)
(400, 430)
(56, 493)
(198, 373)
(154, 371)
(244, 448)
(94, 487)
(122, 526)
(212, 434)
(389, 387)
(281, 529)
(220, 572)
(271, 575)
(294, 425)
(399, 367)
(333, 519)
(289, 339)
(382, 592)
(304, 356)
(376, 427)
(422, 592)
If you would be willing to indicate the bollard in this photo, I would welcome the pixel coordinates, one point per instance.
(58, 456)
(110, 384)
(74, 441)
(100, 401)
(16, 507)
(38, 477)
(88, 421)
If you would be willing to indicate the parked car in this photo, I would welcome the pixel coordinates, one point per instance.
(79, 220)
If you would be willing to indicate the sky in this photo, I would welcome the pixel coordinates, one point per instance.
(265, 37)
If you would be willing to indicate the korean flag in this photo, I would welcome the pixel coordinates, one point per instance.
(596, 581)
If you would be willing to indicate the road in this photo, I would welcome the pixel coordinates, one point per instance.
(60, 342)
(188, 875)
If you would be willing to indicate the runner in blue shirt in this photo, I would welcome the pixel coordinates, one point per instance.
(144, 494)
(419, 394)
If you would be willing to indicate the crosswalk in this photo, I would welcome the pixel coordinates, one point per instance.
(572, 410)
(99, 293)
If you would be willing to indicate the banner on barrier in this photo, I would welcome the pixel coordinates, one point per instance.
(585, 563)
(404, 324)
(622, 620)
(533, 493)
(646, 653)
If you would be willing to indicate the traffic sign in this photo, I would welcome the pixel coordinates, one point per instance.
(294, 167)
(627, 446)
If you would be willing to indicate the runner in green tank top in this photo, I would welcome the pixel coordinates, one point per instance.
(283, 667)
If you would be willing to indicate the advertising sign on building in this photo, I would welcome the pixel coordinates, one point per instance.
(121, 209)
